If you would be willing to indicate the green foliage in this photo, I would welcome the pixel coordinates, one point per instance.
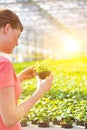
(68, 95)
(41, 66)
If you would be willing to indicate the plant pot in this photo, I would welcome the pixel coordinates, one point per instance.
(43, 124)
(34, 122)
(66, 126)
(44, 74)
(56, 122)
(23, 123)
(85, 124)
(80, 123)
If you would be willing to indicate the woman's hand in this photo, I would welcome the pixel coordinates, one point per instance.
(28, 73)
(45, 85)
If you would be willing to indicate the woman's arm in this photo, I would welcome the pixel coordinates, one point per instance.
(11, 113)
(28, 73)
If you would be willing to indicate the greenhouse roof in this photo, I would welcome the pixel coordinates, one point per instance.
(54, 18)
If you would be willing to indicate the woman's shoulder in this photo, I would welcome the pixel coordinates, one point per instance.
(4, 59)
(5, 65)
(5, 62)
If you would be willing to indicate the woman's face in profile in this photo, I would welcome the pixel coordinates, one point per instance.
(11, 38)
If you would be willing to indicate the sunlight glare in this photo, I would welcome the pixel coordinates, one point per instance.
(71, 45)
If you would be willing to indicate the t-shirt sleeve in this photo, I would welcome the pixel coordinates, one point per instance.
(6, 74)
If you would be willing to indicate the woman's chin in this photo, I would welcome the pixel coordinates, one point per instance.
(8, 51)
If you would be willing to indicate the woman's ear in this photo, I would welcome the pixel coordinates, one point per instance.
(6, 28)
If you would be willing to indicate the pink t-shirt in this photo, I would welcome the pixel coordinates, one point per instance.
(8, 78)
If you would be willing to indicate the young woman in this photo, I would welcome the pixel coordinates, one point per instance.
(10, 84)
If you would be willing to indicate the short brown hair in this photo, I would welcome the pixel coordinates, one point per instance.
(8, 16)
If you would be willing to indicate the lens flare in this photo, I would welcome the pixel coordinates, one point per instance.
(71, 45)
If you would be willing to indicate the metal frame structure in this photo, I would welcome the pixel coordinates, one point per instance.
(45, 21)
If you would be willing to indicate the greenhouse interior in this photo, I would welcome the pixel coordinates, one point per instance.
(54, 34)
(47, 25)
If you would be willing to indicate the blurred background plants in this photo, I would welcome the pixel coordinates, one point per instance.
(68, 95)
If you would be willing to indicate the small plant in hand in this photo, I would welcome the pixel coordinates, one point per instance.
(42, 70)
